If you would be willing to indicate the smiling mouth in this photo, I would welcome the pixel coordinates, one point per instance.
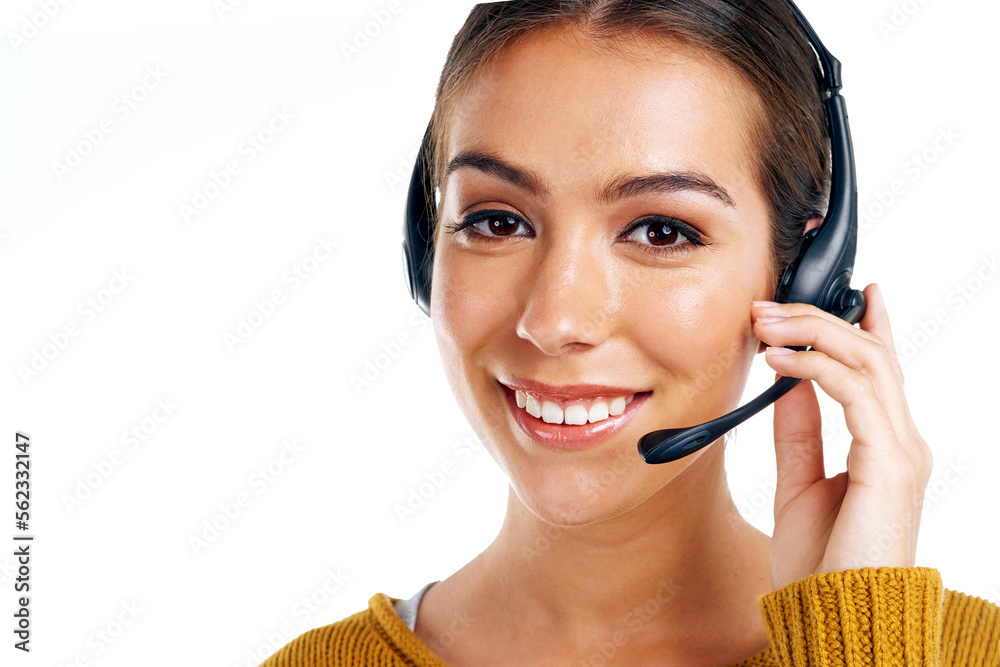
(578, 412)
(567, 424)
(571, 416)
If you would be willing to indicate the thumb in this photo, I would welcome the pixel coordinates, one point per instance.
(798, 442)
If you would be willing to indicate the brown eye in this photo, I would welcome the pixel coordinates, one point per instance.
(496, 224)
(661, 234)
(664, 236)
(501, 225)
(491, 227)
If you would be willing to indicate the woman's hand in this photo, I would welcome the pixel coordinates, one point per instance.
(869, 515)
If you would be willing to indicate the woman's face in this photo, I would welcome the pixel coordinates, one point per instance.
(605, 174)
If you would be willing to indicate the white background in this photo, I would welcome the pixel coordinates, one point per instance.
(336, 171)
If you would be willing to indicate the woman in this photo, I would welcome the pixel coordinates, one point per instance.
(621, 183)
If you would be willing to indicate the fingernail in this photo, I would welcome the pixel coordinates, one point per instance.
(779, 351)
(765, 320)
(765, 304)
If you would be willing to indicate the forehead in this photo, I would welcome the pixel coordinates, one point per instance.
(576, 109)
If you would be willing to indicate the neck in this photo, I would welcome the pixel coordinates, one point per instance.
(677, 570)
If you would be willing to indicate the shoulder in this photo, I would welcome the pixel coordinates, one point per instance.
(970, 630)
(374, 636)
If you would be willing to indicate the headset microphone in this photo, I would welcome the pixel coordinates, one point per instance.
(820, 275)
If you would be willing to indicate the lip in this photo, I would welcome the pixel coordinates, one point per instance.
(575, 436)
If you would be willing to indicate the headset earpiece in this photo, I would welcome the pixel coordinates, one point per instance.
(418, 236)
(821, 273)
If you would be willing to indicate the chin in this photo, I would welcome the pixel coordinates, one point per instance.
(578, 497)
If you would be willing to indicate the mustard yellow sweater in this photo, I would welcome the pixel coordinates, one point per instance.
(889, 617)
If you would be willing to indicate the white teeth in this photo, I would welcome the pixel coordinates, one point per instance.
(534, 407)
(551, 413)
(617, 406)
(576, 414)
(598, 411)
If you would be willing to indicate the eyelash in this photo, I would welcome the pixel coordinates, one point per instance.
(691, 235)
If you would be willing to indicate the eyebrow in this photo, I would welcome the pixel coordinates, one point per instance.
(618, 188)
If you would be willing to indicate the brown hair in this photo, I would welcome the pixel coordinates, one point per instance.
(760, 38)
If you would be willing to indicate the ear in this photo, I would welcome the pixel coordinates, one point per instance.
(812, 223)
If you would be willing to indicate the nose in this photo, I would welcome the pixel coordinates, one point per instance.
(569, 305)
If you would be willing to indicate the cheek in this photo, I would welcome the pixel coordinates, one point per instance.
(688, 323)
(468, 313)
(699, 333)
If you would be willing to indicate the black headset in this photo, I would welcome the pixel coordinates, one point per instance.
(820, 275)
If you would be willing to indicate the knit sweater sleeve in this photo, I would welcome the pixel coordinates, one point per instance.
(879, 616)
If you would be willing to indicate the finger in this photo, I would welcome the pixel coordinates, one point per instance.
(798, 443)
(798, 309)
(867, 355)
(876, 322)
(875, 448)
